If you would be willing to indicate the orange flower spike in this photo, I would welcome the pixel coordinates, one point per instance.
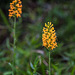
(15, 9)
(49, 36)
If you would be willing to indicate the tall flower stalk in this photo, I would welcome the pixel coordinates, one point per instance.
(15, 11)
(49, 39)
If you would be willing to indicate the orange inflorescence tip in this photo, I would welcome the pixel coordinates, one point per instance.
(15, 9)
(49, 36)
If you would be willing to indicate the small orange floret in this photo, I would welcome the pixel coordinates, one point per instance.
(20, 2)
(18, 15)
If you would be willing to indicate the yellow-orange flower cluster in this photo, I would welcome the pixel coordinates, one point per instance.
(49, 36)
(15, 9)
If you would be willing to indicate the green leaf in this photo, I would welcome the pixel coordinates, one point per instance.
(32, 66)
(36, 62)
(73, 71)
(55, 67)
(7, 43)
(5, 20)
(12, 66)
(8, 73)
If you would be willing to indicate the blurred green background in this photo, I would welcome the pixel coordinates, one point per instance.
(30, 52)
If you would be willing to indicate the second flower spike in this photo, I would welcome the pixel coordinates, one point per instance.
(15, 9)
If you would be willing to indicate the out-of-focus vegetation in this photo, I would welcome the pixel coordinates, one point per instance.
(31, 56)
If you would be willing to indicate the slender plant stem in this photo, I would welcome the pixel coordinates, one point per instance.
(14, 45)
(49, 64)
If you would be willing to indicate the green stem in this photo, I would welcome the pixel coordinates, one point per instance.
(14, 45)
(49, 64)
(34, 71)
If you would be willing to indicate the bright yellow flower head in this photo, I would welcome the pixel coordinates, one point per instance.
(15, 9)
(49, 36)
